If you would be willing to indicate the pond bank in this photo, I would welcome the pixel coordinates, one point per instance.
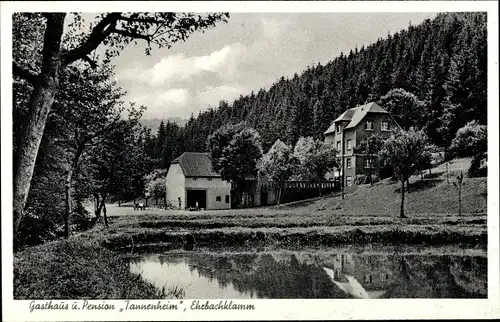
(92, 264)
(433, 235)
(78, 268)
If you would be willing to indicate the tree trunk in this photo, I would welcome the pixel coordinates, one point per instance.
(67, 190)
(100, 207)
(370, 171)
(68, 210)
(105, 216)
(278, 199)
(103, 207)
(39, 107)
(97, 210)
(320, 188)
(119, 203)
(460, 200)
(402, 211)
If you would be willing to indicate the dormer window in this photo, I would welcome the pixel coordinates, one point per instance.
(369, 125)
(385, 126)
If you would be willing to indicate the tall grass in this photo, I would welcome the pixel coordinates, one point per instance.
(79, 269)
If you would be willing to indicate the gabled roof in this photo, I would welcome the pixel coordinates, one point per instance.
(196, 164)
(355, 115)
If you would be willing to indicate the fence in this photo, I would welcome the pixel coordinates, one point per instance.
(266, 192)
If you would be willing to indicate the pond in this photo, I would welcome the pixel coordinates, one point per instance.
(323, 275)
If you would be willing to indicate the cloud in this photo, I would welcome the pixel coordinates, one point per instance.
(172, 96)
(177, 96)
(179, 67)
(274, 26)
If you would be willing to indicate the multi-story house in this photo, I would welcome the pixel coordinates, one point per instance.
(351, 128)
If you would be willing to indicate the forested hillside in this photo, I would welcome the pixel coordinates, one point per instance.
(443, 62)
(154, 123)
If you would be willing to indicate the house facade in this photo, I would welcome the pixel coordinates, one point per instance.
(192, 181)
(351, 128)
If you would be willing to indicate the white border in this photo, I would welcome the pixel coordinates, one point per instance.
(266, 309)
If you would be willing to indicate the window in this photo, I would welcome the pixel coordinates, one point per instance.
(348, 163)
(367, 163)
(369, 125)
(227, 198)
(338, 145)
(218, 198)
(209, 179)
(384, 277)
(385, 126)
(368, 278)
(338, 128)
(349, 181)
(194, 179)
(348, 144)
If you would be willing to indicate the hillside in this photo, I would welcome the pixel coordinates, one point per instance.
(154, 123)
(432, 196)
(441, 61)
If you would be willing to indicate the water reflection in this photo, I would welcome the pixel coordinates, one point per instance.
(309, 275)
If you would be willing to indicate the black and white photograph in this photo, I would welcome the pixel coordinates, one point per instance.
(203, 161)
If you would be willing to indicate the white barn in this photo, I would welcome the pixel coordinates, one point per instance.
(191, 179)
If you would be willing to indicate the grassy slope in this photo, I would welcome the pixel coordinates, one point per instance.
(82, 267)
(433, 196)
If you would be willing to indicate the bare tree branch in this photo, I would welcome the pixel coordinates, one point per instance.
(89, 60)
(105, 129)
(140, 20)
(102, 30)
(23, 73)
(132, 34)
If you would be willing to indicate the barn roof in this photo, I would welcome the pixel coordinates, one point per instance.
(196, 164)
(355, 115)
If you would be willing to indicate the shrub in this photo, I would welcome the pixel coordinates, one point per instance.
(35, 230)
(478, 166)
(82, 219)
(469, 141)
(365, 179)
(437, 157)
(386, 172)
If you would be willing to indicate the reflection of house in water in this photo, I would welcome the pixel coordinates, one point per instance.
(330, 275)
(373, 273)
(343, 264)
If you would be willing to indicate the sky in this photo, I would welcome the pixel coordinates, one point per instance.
(249, 52)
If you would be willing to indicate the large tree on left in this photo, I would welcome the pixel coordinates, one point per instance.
(114, 30)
